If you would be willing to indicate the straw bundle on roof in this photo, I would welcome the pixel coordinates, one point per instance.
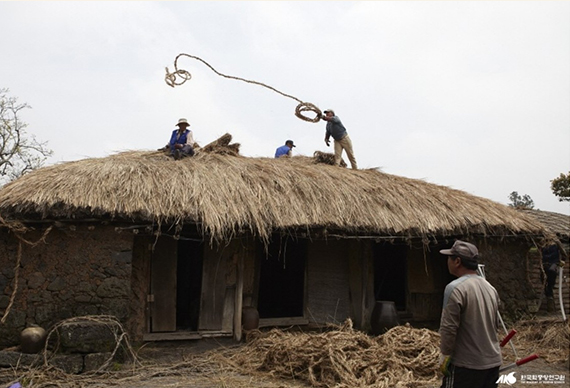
(222, 146)
(326, 158)
(228, 194)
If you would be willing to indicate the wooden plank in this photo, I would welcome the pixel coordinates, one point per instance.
(177, 335)
(228, 314)
(359, 261)
(328, 282)
(139, 321)
(422, 277)
(426, 306)
(238, 259)
(290, 321)
(215, 269)
(163, 285)
(184, 335)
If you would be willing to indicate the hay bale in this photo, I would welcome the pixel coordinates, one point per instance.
(221, 146)
(326, 158)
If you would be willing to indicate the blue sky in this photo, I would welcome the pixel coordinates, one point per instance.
(469, 95)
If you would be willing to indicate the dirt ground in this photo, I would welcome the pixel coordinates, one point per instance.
(180, 365)
(189, 364)
(171, 354)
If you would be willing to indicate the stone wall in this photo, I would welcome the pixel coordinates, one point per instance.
(506, 269)
(84, 270)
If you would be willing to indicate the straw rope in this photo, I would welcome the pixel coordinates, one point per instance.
(18, 228)
(343, 357)
(180, 76)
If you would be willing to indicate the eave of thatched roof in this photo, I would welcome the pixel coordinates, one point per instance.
(557, 223)
(227, 194)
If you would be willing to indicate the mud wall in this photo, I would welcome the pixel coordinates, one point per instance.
(506, 269)
(80, 271)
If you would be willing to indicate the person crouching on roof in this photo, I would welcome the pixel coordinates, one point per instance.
(181, 141)
(285, 150)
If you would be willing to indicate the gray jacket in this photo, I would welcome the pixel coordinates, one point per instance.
(335, 128)
(469, 323)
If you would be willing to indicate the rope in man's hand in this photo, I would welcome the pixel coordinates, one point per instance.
(179, 76)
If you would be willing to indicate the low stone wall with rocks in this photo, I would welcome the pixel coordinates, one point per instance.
(77, 271)
(77, 345)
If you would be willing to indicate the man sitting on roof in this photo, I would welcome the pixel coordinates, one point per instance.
(285, 150)
(181, 141)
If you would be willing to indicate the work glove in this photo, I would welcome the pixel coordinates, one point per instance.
(444, 362)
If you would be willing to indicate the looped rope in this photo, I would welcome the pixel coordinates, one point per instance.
(172, 80)
(308, 107)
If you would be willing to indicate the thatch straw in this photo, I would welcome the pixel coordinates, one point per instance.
(230, 194)
(326, 158)
(343, 358)
(550, 338)
(222, 146)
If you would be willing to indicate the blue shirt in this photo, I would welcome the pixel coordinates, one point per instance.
(283, 150)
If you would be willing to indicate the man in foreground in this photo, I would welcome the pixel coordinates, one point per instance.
(470, 351)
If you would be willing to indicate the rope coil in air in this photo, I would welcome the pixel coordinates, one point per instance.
(180, 76)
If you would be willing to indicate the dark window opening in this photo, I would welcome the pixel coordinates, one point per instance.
(390, 273)
(188, 284)
(282, 278)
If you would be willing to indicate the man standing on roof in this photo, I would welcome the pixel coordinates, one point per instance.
(470, 351)
(285, 150)
(181, 141)
(341, 139)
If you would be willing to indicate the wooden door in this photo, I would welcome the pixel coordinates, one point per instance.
(163, 285)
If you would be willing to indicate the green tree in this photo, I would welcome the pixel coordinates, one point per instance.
(20, 152)
(561, 187)
(524, 202)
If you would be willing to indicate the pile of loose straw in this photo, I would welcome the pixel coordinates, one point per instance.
(402, 357)
(549, 338)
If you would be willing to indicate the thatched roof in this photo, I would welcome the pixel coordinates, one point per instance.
(226, 194)
(557, 223)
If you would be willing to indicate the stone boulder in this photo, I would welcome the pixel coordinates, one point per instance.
(88, 337)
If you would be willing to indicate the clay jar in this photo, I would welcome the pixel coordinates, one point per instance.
(32, 339)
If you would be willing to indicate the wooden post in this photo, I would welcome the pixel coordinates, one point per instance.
(238, 259)
(364, 285)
